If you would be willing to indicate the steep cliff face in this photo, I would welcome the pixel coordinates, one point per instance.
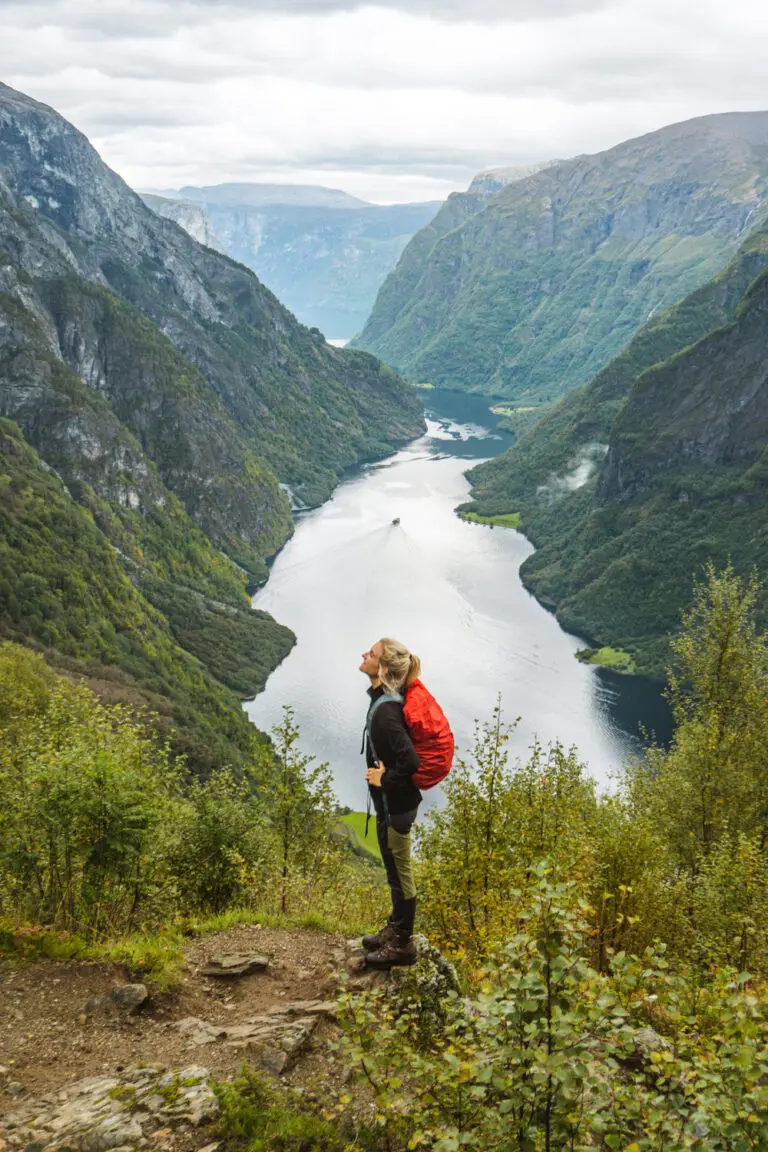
(535, 293)
(705, 408)
(66, 589)
(175, 398)
(395, 297)
(489, 183)
(283, 396)
(191, 217)
(633, 482)
(324, 260)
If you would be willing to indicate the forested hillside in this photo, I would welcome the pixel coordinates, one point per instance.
(175, 399)
(535, 293)
(633, 482)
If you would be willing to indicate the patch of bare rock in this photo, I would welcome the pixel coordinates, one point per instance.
(90, 1062)
(100, 1113)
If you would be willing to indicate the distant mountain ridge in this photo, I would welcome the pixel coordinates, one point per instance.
(532, 292)
(258, 195)
(323, 253)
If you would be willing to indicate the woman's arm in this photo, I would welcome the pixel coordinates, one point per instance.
(393, 746)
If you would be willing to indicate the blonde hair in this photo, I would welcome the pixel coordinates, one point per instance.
(398, 668)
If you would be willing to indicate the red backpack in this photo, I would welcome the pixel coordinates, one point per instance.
(429, 730)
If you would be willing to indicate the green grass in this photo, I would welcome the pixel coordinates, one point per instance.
(356, 821)
(502, 520)
(608, 658)
(155, 958)
(158, 958)
(260, 1118)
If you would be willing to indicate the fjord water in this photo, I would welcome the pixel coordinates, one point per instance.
(448, 589)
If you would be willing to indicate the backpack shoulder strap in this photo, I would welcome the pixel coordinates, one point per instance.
(387, 698)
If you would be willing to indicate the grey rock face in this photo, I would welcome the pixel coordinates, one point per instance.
(191, 217)
(487, 184)
(325, 262)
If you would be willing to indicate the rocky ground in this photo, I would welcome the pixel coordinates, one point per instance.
(91, 1062)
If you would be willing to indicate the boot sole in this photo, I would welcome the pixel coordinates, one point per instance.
(383, 966)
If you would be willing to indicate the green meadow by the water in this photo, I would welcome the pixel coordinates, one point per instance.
(503, 520)
(356, 821)
(614, 658)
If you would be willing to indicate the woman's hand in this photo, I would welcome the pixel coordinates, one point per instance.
(374, 775)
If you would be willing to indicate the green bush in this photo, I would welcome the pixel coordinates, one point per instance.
(103, 831)
(552, 1055)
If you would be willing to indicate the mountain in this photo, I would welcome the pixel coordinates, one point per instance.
(632, 483)
(172, 399)
(324, 254)
(401, 285)
(531, 293)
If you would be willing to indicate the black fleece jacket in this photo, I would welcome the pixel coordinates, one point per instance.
(395, 752)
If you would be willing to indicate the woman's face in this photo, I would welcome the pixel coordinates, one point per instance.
(372, 660)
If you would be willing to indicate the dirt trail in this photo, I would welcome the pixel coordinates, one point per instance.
(47, 1042)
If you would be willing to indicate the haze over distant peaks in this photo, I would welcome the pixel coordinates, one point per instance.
(256, 195)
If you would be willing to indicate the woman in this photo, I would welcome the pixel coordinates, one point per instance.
(392, 761)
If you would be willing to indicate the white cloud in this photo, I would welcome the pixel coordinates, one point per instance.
(396, 101)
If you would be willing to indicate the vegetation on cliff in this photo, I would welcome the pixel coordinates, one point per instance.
(183, 408)
(104, 831)
(536, 292)
(630, 485)
(64, 590)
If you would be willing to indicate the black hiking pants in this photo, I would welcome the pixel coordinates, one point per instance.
(394, 835)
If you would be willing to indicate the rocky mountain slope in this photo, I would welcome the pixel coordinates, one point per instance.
(173, 395)
(631, 484)
(534, 292)
(322, 253)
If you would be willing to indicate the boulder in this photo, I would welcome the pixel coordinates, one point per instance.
(129, 997)
(231, 964)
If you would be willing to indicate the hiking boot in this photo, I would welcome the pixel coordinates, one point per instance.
(392, 953)
(372, 943)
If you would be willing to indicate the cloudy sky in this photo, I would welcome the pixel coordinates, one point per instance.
(402, 100)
